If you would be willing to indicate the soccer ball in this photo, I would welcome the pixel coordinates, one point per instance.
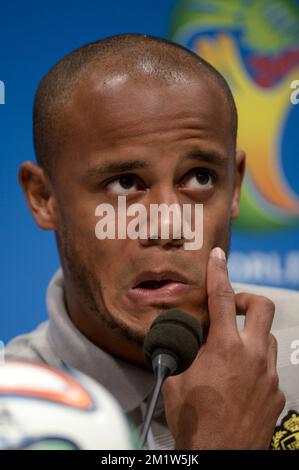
(42, 407)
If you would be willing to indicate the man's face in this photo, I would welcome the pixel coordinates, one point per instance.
(153, 143)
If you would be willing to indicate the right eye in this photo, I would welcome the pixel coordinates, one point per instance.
(124, 184)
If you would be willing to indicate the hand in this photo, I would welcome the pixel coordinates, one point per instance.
(229, 397)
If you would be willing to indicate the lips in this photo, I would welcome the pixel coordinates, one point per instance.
(159, 277)
(150, 286)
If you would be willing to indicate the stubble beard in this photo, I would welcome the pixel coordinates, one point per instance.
(88, 286)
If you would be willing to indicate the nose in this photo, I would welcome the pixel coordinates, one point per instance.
(164, 225)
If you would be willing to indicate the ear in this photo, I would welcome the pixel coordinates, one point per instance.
(39, 195)
(240, 165)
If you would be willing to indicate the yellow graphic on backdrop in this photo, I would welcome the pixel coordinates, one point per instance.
(263, 113)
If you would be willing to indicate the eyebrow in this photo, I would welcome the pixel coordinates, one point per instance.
(113, 167)
(212, 157)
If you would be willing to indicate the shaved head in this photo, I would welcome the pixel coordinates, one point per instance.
(114, 59)
(144, 118)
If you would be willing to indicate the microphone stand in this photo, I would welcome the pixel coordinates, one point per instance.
(163, 365)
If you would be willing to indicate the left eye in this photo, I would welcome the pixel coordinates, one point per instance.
(123, 184)
(199, 179)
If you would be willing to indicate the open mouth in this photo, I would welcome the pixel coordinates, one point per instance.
(157, 287)
(153, 284)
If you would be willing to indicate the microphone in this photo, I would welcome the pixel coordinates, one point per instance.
(170, 347)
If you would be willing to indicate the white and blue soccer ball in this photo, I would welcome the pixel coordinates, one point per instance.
(46, 408)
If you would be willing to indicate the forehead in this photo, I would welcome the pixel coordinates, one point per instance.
(120, 110)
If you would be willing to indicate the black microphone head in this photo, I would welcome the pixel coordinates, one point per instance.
(175, 333)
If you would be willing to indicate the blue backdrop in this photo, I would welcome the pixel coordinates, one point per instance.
(33, 36)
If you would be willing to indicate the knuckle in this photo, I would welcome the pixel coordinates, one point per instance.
(267, 304)
(274, 381)
(273, 342)
(281, 400)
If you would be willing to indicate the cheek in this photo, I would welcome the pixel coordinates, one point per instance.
(216, 225)
(112, 260)
(78, 225)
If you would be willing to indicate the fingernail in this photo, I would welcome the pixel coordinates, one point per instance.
(218, 253)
